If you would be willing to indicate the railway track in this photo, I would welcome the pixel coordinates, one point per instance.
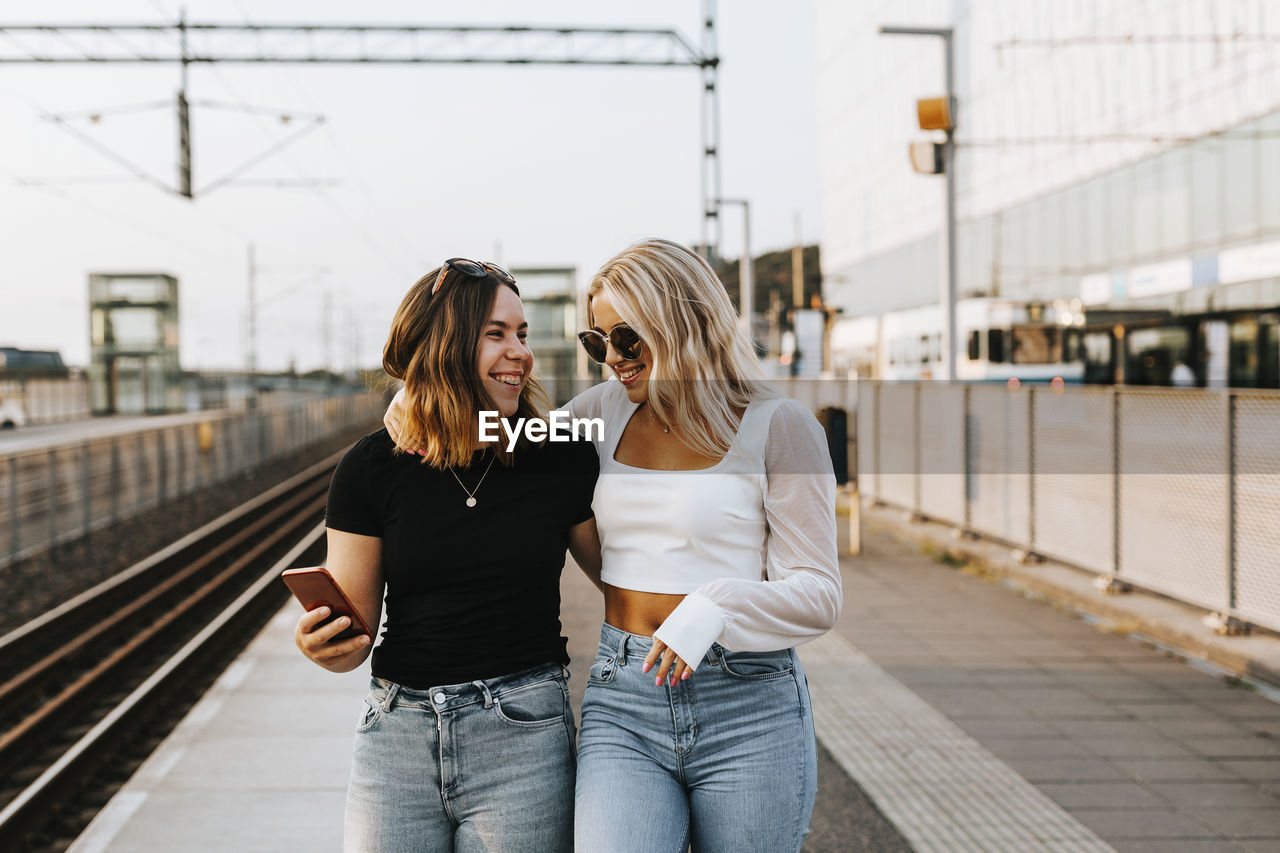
(89, 689)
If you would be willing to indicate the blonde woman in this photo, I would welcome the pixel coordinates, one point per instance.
(466, 738)
(716, 513)
(715, 507)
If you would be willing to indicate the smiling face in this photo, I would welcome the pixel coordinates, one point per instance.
(505, 360)
(633, 373)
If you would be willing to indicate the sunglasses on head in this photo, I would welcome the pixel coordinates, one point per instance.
(624, 340)
(475, 269)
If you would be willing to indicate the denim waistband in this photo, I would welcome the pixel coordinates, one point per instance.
(446, 696)
(627, 645)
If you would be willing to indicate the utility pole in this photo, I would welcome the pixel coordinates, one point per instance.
(947, 151)
(712, 227)
(184, 116)
(746, 277)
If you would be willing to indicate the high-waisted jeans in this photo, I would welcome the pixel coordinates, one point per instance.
(463, 768)
(726, 761)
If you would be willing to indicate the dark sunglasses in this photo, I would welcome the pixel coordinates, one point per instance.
(624, 340)
(475, 269)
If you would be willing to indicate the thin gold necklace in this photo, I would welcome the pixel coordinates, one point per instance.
(655, 421)
(471, 493)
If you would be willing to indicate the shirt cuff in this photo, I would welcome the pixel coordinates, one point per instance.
(691, 628)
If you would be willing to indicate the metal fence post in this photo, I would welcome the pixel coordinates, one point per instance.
(1115, 485)
(915, 431)
(1229, 617)
(141, 451)
(966, 457)
(86, 485)
(1031, 470)
(162, 469)
(179, 475)
(259, 439)
(226, 448)
(13, 509)
(53, 498)
(115, 479)
(875, 448)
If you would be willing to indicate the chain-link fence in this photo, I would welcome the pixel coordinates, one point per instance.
(61, 492)
(1173, 490)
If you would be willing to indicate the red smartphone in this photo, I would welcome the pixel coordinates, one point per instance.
(315, 587)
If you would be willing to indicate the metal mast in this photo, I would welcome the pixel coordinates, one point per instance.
(358, 44)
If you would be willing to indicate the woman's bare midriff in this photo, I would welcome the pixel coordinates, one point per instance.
(637, 612)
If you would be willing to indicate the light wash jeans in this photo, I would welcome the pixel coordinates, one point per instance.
(726, 761)
(463, 768)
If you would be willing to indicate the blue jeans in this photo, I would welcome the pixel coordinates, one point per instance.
(726, 761)
(485, 766)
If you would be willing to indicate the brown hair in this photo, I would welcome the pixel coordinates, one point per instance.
(433, 347)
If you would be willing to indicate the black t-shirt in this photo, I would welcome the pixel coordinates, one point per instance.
(472, 592)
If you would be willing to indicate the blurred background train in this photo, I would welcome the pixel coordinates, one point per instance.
(18, 363)
(1001, 340)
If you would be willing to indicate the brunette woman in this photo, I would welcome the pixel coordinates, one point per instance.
(466, 739)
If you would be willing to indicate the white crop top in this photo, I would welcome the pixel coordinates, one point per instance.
(749, 542)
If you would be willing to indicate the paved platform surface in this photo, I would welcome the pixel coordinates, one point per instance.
(952, 712)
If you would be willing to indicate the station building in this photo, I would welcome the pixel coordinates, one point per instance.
(133, 354)
(1111, 158)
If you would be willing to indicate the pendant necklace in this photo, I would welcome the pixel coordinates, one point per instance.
(471, 493)
(654, 420)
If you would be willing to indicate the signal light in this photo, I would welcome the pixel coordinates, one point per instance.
(934, 113)
(926, 158)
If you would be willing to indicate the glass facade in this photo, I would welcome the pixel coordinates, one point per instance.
(1115, 143)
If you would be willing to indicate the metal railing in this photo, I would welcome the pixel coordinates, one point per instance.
(65, 491)
(48, 400)
(1173, 490)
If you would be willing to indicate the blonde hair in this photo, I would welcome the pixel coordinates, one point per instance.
(433, 346)
(704, 370)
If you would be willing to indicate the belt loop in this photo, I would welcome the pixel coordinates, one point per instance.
(391, 696)
(622, 649)
(484, 688)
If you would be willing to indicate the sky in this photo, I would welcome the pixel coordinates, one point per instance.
(527, 166)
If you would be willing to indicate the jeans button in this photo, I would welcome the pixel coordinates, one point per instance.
(439, 697)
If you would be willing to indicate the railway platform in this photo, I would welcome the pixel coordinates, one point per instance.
(952, 713)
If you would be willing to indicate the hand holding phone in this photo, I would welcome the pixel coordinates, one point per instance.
(315, 587)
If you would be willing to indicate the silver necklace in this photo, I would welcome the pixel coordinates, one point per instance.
(471, 493)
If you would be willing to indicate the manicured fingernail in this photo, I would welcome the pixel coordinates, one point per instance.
(657, 682)
(646, 667)
(364, 639)
(673, 680)
(687, 673)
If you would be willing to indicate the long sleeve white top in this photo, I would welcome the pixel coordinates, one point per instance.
(749, 542)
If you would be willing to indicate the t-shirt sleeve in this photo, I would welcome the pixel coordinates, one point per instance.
(351, 508)
(588, 404)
